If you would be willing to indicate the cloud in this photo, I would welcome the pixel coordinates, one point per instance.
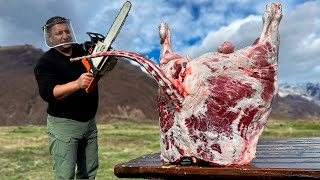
(241, 32)
(21, 21)
(299, 51)
(196, 26)
(299, 41)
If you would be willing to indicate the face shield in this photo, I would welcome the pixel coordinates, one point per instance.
(59, 33)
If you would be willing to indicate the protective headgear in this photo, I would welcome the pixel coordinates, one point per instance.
(58, 31)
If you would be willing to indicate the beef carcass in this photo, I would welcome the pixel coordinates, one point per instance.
(214, 108)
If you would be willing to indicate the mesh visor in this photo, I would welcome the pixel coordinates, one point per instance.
(59, 33)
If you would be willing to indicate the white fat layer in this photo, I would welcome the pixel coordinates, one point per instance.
(235, 149)
(240, 149)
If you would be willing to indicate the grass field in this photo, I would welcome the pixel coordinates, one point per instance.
(24, 150)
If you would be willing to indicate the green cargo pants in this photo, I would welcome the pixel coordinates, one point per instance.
(73, 147)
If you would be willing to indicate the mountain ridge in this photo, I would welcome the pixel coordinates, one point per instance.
(306, 90)
(126, 93)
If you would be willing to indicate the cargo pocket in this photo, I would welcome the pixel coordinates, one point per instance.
(59, 145)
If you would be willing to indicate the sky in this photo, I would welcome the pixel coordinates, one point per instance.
(197, 27)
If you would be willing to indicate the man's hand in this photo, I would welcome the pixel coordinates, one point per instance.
(84, 80)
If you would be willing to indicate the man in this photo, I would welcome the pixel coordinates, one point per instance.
(71, 111)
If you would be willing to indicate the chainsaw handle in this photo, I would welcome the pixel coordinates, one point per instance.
(94, 81)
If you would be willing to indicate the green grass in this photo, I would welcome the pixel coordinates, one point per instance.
(290, 128)
(24, 150)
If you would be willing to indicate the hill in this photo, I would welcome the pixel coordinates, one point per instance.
(125, 93)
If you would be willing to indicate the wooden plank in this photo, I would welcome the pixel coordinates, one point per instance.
(275, 159)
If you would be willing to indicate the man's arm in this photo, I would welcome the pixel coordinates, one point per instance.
(62, 91)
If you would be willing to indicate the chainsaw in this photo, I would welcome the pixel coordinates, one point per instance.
(98, 43)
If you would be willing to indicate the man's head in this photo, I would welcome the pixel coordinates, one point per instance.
(58, 32)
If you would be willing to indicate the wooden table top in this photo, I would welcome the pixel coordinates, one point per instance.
(276, 158)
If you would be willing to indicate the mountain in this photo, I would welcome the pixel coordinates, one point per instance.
(294, 107)
(308, 91)
(20, 102)
(297, 101)
(126, 93)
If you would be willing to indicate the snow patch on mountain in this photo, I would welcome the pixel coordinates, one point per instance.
(309, 91)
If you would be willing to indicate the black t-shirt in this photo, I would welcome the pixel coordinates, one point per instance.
(54, 68)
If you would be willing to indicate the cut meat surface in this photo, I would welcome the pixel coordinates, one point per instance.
(214, 108)
(227, 98)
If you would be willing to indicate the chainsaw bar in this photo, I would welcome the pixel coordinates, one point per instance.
(114, 30)
(99, 65)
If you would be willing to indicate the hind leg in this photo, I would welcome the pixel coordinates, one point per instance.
(166, 53)
(271, 19)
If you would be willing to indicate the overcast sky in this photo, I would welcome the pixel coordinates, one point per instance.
(197, 27)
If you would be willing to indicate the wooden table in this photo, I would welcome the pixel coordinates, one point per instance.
(280, 158)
